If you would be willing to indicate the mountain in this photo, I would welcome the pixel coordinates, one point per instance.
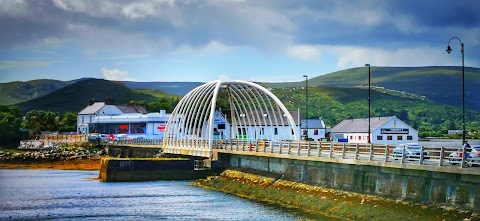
(74, 97)
(178, 88)
(440, 84)
(15, 92)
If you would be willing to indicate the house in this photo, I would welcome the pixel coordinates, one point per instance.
(384, 130)
(313, 129)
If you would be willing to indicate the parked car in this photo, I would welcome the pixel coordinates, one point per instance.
(411, 150)
(472, 156)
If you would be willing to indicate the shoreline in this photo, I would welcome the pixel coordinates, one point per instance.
(322, 201)
(73, 164)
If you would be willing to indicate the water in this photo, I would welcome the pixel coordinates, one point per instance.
(70, 195)
(448, 142)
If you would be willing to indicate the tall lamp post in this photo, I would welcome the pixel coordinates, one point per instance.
(368, 136)
(306, 105)
(449, 50)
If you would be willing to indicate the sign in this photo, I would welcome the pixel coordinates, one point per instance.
(123, 126)
(394, 131)
(158, 128)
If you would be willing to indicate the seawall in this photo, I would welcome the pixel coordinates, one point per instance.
(420, 186)
(145, 169)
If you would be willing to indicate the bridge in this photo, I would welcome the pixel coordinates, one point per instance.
(257, 123)
(255, 131)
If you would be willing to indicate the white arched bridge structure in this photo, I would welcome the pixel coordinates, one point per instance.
(253, 121)
(250, 113)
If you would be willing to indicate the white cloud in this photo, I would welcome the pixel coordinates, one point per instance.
(304, 52)
(351, 56)
(116, 75)
(13, 7)
(138, 10)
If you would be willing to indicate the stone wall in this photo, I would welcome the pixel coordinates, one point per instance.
(422, 186)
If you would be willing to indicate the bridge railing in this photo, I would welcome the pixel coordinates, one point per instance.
(427, 155)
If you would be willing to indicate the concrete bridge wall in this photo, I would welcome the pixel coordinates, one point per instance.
(421, 186)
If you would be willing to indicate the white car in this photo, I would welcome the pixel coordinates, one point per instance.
(472, 156)
(411, 150)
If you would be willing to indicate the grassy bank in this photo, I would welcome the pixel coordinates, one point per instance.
(323, 201)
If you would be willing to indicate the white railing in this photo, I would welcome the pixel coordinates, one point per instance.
(428, 155)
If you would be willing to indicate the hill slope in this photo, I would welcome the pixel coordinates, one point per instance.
(74, 97)
(15, 92)
(440, 84)
(178, 88)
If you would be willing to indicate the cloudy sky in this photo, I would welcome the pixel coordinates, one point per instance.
(204, 40)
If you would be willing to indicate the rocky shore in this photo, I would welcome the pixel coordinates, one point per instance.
(81, 156)
(51, 154)
(313, 200)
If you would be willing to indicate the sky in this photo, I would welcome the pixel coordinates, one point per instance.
(206, 40)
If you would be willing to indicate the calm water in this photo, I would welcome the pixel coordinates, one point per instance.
(448, 142)
(69, 195)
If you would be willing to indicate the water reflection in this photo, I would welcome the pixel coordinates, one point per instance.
(69, 195)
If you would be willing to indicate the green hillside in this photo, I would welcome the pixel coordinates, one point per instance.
(337, 104)
(440, 84)
(75, 97)
(15, 92)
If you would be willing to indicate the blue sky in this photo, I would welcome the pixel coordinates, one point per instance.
(205, 40)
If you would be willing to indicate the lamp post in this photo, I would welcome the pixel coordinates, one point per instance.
(368, 136)
(449, 50)
(306, 105)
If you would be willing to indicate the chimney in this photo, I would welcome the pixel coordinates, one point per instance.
(91, 102)
(163, 113)
(109, 101)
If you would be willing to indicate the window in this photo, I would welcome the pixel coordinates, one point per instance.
(315, 132)
(83, 119)
(275, 131)
(292, 132)
(90, 118)
(351, 137)
(359, 137)
(389, 138)
(379, 137)
(409, 138)
(262, 131)
(305, 132)
(399, 137)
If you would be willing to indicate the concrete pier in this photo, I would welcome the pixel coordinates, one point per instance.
(124, 169)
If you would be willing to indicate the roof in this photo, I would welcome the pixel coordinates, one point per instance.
(92, 109)
(131, 109)
(312, 124)
(360, 125)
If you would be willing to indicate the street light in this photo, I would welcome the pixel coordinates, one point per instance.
(306, 105)
(449, 50)
(368, 136)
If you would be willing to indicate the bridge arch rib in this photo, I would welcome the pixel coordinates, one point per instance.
(253, 113)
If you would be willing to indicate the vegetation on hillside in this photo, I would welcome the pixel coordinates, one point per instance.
(74, 97)
(439, 84)
(15, 92)
(337, 104)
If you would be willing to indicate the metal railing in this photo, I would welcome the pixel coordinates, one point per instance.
(427, 155)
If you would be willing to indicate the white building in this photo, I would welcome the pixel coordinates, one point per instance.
(313, 129)
(384, 130)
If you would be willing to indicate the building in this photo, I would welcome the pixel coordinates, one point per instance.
(316, 129)
(96, 115)
(384, 130)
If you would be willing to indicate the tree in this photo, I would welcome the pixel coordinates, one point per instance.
(40, 120)
(10, 120)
